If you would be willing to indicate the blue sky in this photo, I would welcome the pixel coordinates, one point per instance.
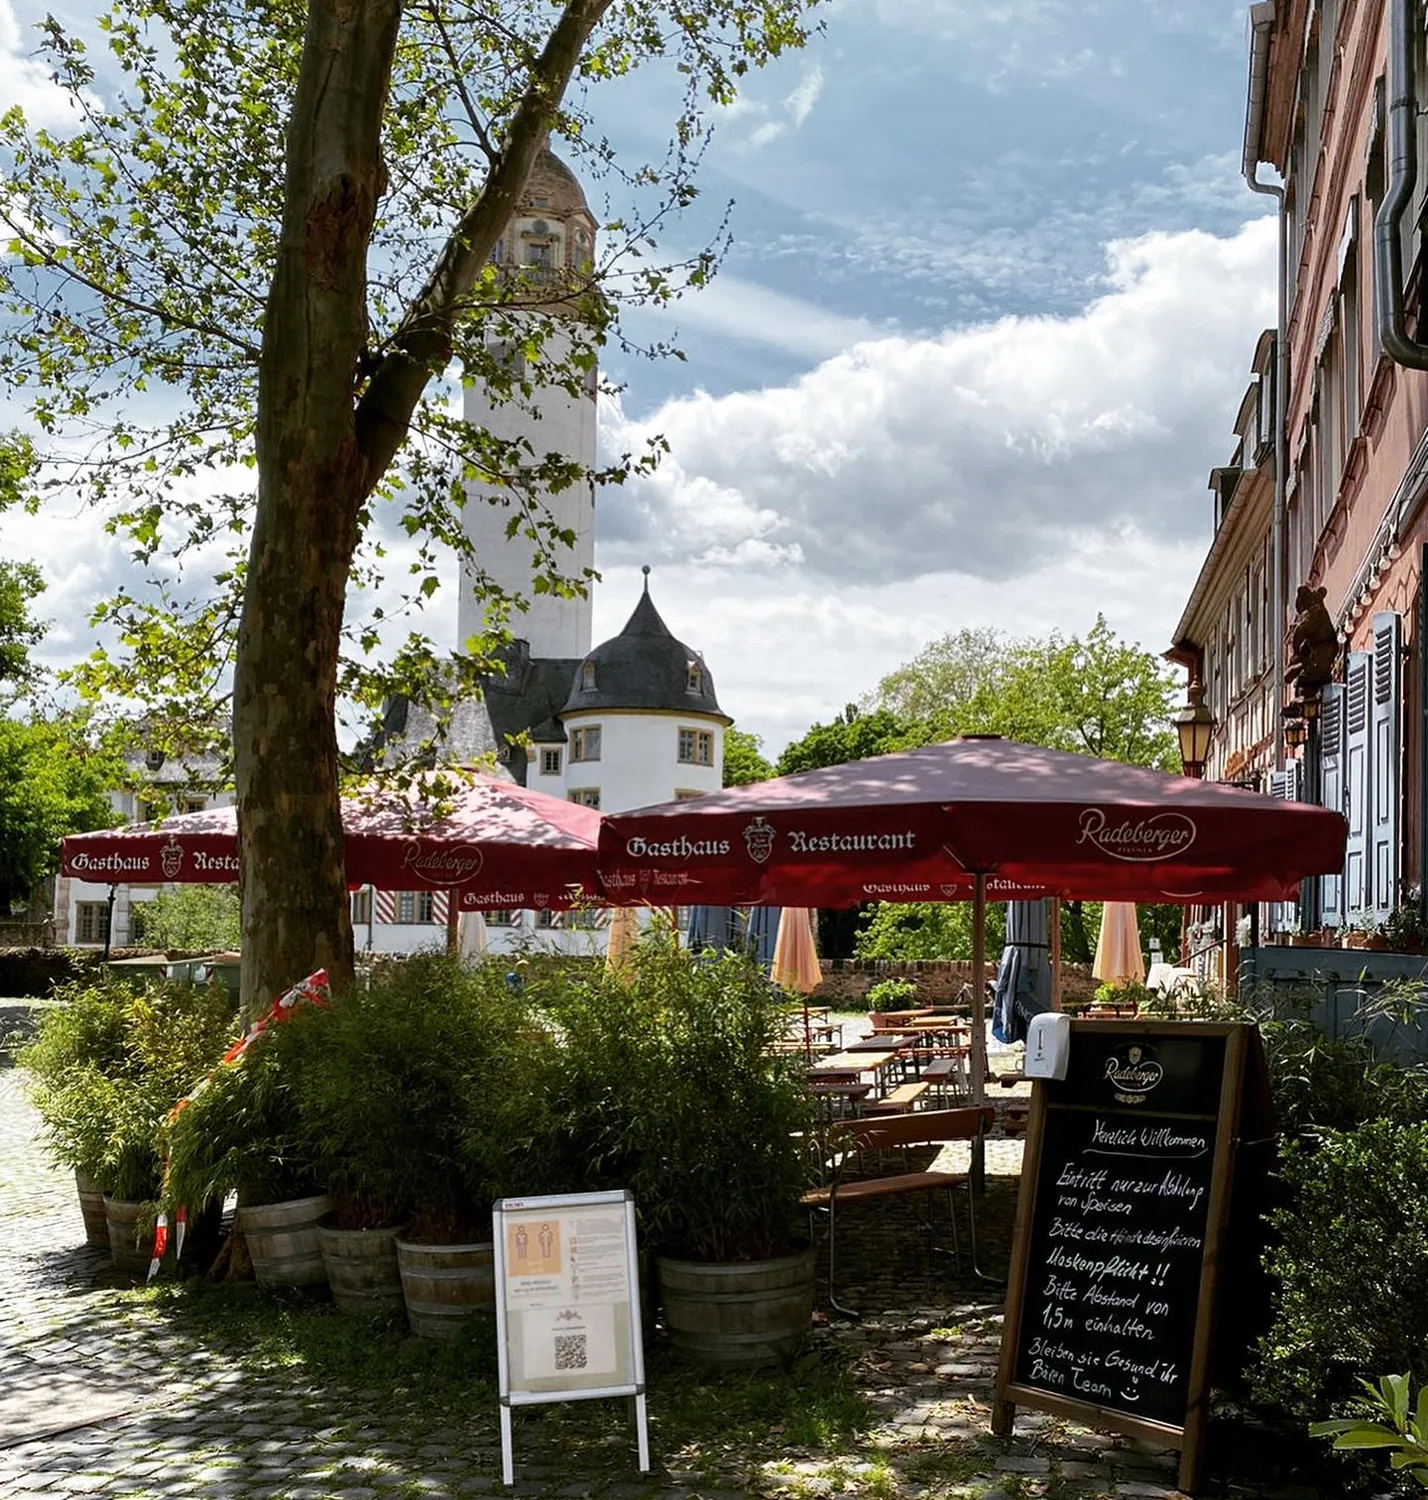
(986, 321)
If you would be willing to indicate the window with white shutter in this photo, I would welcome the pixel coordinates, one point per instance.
(1383, 762)
(1357, 684)
(1331, 792)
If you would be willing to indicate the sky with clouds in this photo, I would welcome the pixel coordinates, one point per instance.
(994, 288)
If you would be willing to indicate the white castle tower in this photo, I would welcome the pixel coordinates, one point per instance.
(550, 236)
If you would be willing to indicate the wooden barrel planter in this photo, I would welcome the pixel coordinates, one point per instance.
(282, 1240)
(91, 1206)
(444, 1284)
(129, 1249)
(756, 1313)
(361, 1267)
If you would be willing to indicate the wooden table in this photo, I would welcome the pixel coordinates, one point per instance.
(881, 1042)
(853, 1065)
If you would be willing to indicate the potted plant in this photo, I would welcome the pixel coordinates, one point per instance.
(238, 1135)
(108, 1069)
(82, 1030)
(394, 1085)
(670, 1086)
(1404, 928)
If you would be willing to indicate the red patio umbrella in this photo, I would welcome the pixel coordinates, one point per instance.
(965, 819)
(498, 845)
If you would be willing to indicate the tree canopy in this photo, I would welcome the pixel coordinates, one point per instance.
(1096, 694)
(744, 758)
(243, 284)
(54, 780)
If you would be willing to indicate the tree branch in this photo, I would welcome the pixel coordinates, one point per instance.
(421, 345)
(473, 115)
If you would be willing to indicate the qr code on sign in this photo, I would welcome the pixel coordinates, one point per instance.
(570, 1351)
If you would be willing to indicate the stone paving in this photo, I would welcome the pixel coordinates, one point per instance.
(101, 1394)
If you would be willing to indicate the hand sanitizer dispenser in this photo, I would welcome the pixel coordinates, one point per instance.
(1048, 1045)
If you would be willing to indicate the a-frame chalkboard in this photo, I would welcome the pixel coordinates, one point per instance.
(1122, 1226)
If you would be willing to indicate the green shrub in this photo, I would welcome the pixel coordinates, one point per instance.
(108, 1064)
(1351, 1260)
(192, 919)
(891, 994)
(239, 1135)
(664, 1083)
(408, 1094)
(1387, 1422)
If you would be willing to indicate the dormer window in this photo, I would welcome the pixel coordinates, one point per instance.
(587, 676)
(693, 678)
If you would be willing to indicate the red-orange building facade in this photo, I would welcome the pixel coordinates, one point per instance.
(1337, 501)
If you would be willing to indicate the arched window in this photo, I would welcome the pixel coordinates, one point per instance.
(693, 678)
(587, 676)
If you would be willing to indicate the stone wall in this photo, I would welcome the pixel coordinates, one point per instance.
(846, 982)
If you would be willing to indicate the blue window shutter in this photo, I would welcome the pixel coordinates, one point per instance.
(1383, 762)
(1358, 675)
(1331, 792)
(1284, 915)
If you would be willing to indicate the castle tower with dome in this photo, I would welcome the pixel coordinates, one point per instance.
(549, 242)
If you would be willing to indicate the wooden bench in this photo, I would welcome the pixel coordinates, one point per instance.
(903, 1098)
(942, 1071)
(889, 1132)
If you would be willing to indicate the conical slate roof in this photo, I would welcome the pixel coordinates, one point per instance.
(644, 667)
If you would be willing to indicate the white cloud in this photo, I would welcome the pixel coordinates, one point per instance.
(26, 82)
(988, 451)
(731, 307)
(780, 119)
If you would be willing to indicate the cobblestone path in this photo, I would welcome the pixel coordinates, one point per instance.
(101, 1393)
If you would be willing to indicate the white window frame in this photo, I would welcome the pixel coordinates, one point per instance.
(550, 761)
(701, 739)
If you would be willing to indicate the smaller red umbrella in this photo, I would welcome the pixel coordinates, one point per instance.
(497, 844)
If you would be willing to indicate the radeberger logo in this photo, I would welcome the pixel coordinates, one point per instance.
(1134, 1074)
(453, 866)
(1140, 840)
(759, 840)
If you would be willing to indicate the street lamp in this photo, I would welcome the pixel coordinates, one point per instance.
(1296, 732)
(1194, 725)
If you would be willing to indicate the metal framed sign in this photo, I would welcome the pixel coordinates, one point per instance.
(567, 1306)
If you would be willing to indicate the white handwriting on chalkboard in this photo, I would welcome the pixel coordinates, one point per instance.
(1117, 1268)
(1136, 1140)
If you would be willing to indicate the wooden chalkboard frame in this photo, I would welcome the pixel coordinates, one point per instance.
(1189, 1437)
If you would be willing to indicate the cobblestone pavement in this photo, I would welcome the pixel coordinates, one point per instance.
(102, 1394)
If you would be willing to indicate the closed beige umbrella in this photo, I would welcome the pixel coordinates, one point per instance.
(795, 957)
(1118, 956)
(624, 933)
(795, 961)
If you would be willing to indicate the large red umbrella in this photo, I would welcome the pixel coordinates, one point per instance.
(965, 819)
(498, 844)
(921, 825)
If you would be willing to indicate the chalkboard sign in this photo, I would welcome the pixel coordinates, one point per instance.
(1124, 1195)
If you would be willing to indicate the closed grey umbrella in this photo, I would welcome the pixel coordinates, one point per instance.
(1024, 975)
(761, 932)
(710, 927)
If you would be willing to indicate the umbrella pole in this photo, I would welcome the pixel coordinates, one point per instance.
(1056, 953)
(978, 1060)
(453, 916)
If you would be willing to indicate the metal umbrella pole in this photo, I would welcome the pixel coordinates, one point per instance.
(978, 1059)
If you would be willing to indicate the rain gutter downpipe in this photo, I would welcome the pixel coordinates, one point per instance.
(1261, 25)
(1412, 353)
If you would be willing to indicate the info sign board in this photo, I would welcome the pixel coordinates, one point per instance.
(567, 1306)
(1122, 1227)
